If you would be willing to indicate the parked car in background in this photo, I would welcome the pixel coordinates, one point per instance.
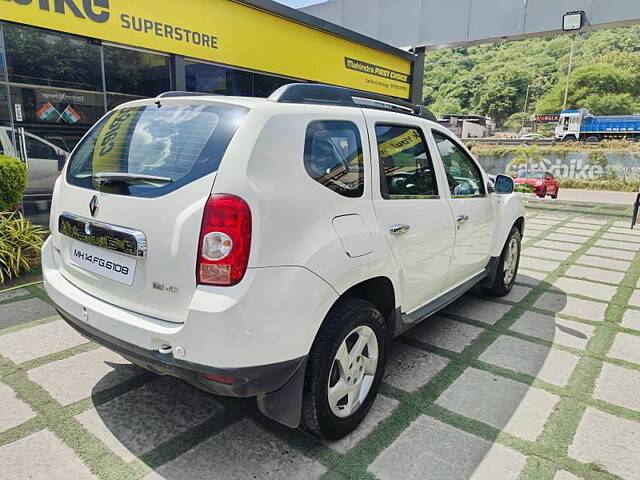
(533, 136)
(544, 183)
(44, 161)
(298, 235)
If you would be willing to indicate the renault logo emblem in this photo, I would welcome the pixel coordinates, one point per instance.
(93, 206)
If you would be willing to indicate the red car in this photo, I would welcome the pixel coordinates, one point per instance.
(543, 182)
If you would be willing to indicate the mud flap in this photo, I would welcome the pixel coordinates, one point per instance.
(285, 404)
(492, 270)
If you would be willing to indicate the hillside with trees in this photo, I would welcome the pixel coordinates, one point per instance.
(493, 79)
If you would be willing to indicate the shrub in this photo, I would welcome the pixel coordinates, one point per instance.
(610, 184)
(523, 188)
(13, 181)
(20, 244)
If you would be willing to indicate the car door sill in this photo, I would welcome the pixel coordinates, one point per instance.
(404, 321)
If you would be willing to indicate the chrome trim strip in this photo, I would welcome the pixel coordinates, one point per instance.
(139, 237)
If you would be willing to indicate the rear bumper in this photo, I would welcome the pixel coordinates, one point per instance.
(259, 335)
(249, 381)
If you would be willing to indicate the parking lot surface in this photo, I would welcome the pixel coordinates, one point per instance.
(542, 384)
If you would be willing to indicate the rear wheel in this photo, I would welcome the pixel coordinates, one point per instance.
(507, 266)
(345, 369)
(593, 139)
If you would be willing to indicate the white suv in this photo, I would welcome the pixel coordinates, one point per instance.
(273, 247)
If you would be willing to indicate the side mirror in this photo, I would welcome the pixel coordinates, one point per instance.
(503, 185)
(62, 158)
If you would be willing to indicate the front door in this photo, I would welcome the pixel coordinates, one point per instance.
(415, 217)
(473, 208)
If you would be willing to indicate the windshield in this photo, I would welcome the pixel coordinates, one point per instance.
(175, 143)
(531, 175)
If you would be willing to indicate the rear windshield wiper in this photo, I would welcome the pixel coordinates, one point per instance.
(109, 178)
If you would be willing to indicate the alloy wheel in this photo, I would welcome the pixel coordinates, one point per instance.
(353, 371)
(510, 261)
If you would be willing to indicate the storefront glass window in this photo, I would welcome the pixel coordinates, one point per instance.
(56, 83)
(40, 57)
(132, 74)
(202, 77)
(5, 119)
(265, 85)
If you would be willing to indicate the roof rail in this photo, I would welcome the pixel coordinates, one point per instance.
(321, 94)
(178, 93)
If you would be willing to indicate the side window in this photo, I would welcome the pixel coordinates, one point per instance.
(463, 175)
(406, 167)
(38, 149)
(333, 156)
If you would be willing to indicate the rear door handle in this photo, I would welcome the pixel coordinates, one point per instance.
(399, 228)
(460, 219)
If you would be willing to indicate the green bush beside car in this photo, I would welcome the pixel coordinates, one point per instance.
(20, 240)
(13, 181)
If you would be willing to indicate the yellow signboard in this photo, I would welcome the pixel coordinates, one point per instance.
(225, 32)
(399, 144)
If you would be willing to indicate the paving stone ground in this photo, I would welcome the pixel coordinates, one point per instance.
(541, 384)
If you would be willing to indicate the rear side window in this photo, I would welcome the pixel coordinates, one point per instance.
(333, 156)
(407, 170)
(175, 144)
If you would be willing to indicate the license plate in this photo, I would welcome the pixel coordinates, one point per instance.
(117, 267)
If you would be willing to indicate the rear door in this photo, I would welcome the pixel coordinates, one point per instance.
(133, 243)
(415, 217)
(473, 208)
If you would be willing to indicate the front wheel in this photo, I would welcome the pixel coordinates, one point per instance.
(507, 266)
(543, 193)
(345, 369)
(555, 194)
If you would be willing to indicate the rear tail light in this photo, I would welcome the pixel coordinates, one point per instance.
(225, 240)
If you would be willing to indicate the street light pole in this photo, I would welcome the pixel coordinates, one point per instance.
(566, 88)
(526, 99)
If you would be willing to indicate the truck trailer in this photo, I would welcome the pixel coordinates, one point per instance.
(580, 125)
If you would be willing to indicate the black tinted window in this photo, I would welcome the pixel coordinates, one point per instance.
(405, 162)
(463, 175)
(37, 149)
(333, 156)
(179, 143)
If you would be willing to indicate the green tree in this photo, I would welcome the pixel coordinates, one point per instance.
(610, 104)
(518, 120)
(492, 79)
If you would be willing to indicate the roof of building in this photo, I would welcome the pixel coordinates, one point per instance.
(298, 16)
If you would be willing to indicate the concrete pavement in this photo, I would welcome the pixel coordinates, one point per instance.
(541, 384)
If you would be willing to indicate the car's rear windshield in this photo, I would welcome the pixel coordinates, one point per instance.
(151, 150)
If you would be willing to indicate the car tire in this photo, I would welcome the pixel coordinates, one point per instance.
(507, 266)
(544, 193)
(555, 194)
(325, 412)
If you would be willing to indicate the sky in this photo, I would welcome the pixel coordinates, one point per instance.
(299, 3)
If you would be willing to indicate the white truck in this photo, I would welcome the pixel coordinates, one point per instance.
(44, 160)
